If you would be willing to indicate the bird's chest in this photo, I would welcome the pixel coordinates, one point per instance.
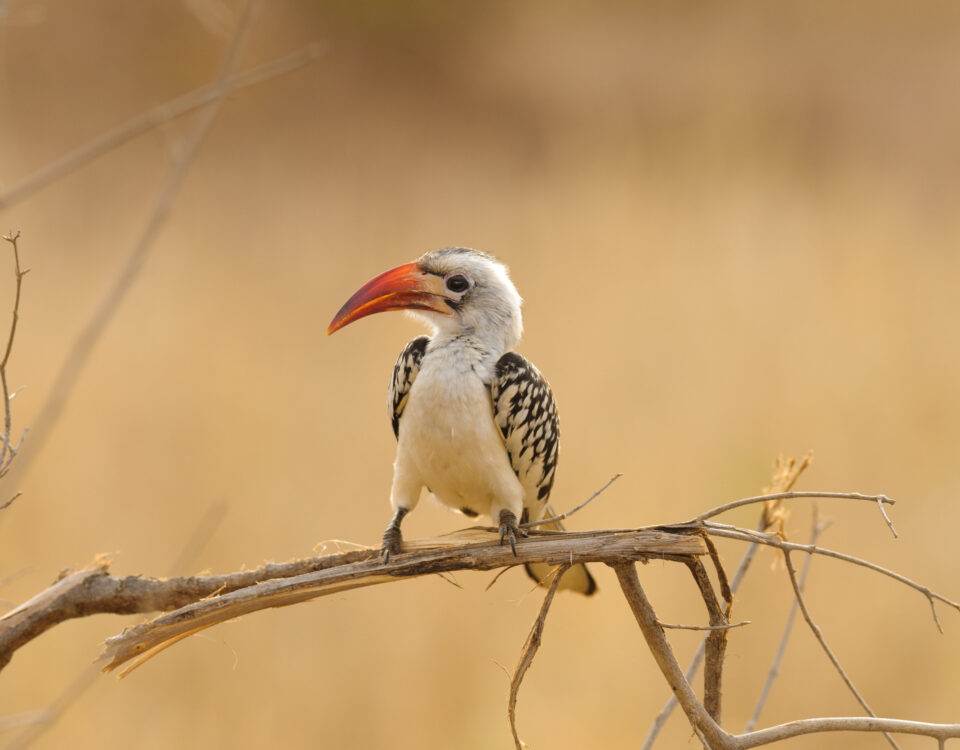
(449, 432)
(448, 410)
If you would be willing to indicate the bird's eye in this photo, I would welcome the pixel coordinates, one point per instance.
(458, 284)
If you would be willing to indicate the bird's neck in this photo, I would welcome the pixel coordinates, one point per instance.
(477, 353)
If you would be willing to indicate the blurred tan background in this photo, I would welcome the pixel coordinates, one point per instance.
(737, 234)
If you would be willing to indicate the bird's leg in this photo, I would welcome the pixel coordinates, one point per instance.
(510, 529)
(392, 539)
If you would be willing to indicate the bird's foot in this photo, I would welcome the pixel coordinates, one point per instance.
(392, 543)
(510, 529)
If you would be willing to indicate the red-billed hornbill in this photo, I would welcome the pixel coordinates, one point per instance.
(476, 423)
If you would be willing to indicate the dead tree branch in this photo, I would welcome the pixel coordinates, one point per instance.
(38, 722)
(785, 475)
(154, 118)
(207, 600)
(8, 451)
(716, 640)
(714, 736)
(209, 98)
(698, 715)
(880, 500)
(530, 649)
(772, 540)
(818, 634)
(818, 528)
(198, 603)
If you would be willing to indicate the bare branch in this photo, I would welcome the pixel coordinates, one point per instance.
(818, 528)
(727, 626)
(771, 540)
(151, 119)
(530, 648)
(699, 719)
(785, 476)
(697, 660)
(532, 524)
(7, 451)
(880, 499)
(713, 735)
(716, 644)
(883, 512)
(8, 503)
(93, 329)
(818, 634)
(49, 716)
(800, 727)
(471, 550)
(92, 590)
(12, 238)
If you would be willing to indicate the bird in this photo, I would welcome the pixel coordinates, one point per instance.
(476, 423)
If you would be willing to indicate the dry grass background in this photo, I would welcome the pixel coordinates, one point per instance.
(736, 231)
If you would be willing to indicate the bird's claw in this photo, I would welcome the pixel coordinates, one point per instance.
(392, 543)
(392, 538)
(510, 529)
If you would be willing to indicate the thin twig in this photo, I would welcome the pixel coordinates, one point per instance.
(817, 529)
(84, 344)
(727, 626)
(8, 503)
(12, 238)
(880, 499)
(883, 512)
(554, 519)
(497, 577)
(8, 452)
(153, 118)
(818, 634)
(530, 648)
(771, 540)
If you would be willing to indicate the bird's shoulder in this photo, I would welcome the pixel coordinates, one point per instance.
(404, 373)
(517, 378)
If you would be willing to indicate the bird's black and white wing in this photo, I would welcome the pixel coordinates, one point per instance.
(404, 373)
(526, 415)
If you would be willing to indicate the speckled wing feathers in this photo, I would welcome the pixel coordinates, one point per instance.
(404, 373)
(526, 415)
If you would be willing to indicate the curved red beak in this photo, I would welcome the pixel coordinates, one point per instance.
(405, 287)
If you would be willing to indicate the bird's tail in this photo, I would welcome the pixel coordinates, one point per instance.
(577, 578)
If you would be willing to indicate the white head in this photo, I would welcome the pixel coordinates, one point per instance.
(481, 299)
(455, 289)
